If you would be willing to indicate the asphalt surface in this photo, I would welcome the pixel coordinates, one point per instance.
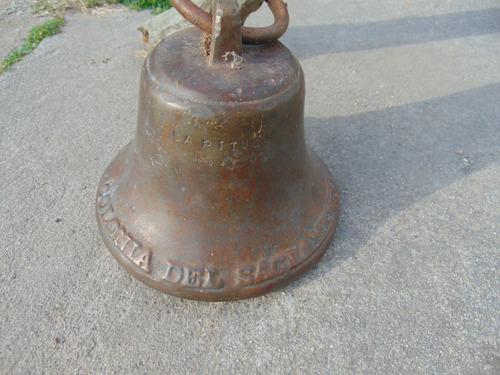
(403, 106)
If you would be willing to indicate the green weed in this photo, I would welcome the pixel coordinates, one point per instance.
(35, 36)
(157, 6)
(58, 7)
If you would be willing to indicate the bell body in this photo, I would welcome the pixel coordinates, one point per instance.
(218, 197)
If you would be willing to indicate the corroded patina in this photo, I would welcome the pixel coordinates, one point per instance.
(218, 197)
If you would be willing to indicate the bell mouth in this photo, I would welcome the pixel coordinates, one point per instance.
(181, 257)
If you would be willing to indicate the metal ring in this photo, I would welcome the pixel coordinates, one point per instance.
(250, 35)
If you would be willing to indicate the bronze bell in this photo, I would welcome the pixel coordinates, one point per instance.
(218, 197)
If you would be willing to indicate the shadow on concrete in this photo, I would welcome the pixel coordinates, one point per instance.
(387, 160)
(314, 40)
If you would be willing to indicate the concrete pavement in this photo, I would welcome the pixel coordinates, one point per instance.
(403, 106)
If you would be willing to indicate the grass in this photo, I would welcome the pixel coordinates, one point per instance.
(53, 25)
(157, 6)
(35, 36)
(58, 7)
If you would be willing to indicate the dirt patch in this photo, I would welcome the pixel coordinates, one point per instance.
(15, 21)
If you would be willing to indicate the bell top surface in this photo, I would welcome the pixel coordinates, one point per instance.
(179, 67)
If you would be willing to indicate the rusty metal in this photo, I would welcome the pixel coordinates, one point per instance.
(251, 35)
(218, 197)
(226, 36)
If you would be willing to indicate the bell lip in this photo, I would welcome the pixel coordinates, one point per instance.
(234, 294)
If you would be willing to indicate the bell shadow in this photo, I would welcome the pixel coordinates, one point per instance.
(314, 40)
(387, 160)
